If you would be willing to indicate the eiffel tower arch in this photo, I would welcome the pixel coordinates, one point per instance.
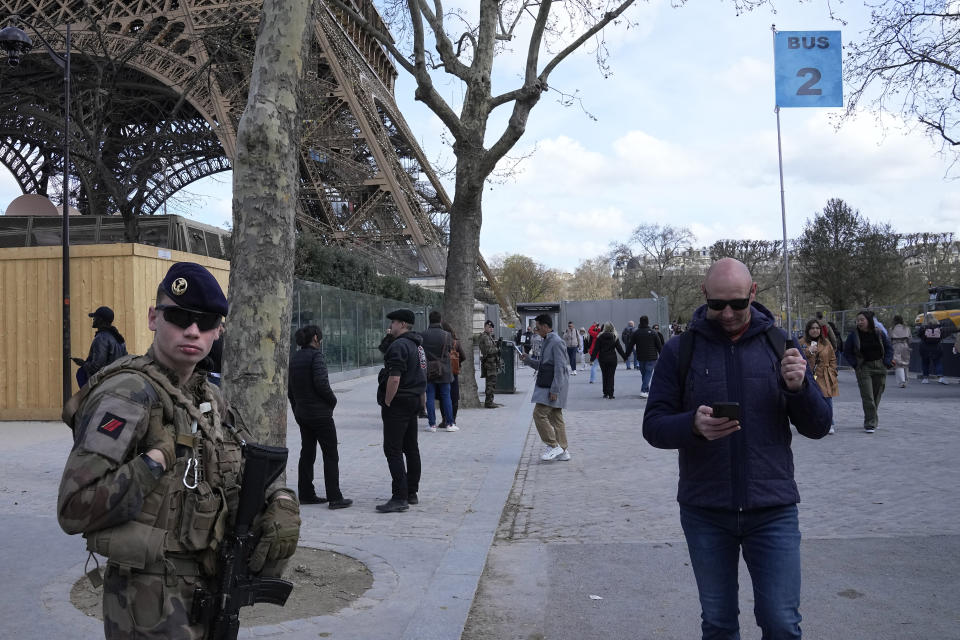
(159, 87)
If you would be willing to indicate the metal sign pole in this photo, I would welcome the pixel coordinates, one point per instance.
(783, 206)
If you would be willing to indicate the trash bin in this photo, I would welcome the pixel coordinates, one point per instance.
(506, 379)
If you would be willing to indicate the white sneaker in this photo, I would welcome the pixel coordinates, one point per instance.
(574, 372)
(564, 456)
(451, 428)
(551, 453)
(943, 380)
(924, 381)
(832, 430)
(431, 428)
(644, 395)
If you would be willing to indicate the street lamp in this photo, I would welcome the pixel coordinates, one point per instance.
(17, 43)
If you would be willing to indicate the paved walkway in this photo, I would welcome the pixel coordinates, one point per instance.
(880, 519)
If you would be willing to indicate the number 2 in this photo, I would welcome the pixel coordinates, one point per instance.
(806, 89)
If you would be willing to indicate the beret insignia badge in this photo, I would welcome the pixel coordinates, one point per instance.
(179, 286)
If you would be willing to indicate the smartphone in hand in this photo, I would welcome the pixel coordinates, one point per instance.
(729, 410)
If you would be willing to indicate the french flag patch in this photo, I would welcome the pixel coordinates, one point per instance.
(112, 425)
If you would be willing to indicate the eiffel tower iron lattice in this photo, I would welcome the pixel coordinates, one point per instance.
(160, 86)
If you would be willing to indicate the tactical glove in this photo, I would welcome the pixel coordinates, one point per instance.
(279, 531)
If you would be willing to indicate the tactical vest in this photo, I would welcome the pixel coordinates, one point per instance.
(188, 512)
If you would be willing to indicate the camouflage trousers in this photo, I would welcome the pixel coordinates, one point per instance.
(144, 606)
(490, 388)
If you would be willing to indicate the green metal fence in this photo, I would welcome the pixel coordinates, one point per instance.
(353, 323)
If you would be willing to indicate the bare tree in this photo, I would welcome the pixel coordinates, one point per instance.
(524, 280)
(592, 280)
(265, 187)
(764, 259)
(908, 63)
(431, 39)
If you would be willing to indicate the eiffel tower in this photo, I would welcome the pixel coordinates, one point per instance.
(177, 74)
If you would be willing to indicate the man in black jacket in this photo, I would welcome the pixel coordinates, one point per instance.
(403, 382)
(646, 344)
(313, 401)
(437, 344)
(107, 345)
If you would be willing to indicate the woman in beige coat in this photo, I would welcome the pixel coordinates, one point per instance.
(822, 361)
(900, 337)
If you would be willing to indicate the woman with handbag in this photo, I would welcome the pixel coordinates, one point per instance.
(457, 355)
(821, 360)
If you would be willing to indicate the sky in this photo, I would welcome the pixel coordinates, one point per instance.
(683, 132)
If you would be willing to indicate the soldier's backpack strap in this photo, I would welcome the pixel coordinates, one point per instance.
(73, 404)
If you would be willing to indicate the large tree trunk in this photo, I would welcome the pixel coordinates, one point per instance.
(466, 218)
(265, 187)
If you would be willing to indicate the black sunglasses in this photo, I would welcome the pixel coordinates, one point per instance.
(183, 318)
(738, 304)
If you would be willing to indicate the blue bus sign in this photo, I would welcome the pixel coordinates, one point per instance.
(808, 68)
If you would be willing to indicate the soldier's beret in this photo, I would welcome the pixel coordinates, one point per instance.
(404, 315)
(192, 287)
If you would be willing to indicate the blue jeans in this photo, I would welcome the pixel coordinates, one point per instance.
(646, 371)
(441, 389)
(632, 359)
(593, 370)
(572, 355)
(770, 539)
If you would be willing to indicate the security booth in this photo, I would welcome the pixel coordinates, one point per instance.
(530, 310)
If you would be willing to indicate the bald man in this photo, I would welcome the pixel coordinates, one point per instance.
(736, 488)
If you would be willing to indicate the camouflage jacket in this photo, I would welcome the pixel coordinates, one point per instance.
(107, 491)
(489, 354)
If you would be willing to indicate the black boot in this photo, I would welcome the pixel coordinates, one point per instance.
(394, 505)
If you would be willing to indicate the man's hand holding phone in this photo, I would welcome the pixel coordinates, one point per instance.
(718, 421)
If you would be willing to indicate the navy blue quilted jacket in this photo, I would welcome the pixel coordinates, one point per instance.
(753, 467)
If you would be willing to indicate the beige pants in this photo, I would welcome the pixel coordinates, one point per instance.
(550, 425)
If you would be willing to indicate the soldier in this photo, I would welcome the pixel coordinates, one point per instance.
(489, 364)
(153, 479)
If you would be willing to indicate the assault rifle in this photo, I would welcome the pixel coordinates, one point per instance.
(236, 587)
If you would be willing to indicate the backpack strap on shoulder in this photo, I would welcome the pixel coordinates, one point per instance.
(684, 358)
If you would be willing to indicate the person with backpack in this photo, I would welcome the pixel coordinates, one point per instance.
(870, 353)
(437, 344)
(457, 355)
(724, 394)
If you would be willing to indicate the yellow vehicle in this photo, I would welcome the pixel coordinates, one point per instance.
(944, 305)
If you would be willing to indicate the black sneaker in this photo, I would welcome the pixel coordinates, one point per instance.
(413, 499)
(342, 503)
(312, 500)
(393, 506)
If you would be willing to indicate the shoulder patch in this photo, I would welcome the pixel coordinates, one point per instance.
(112, 425)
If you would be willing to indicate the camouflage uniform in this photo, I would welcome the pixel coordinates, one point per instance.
(159, 536)
(489, 366)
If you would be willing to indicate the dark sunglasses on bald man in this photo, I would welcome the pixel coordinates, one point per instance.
(737, 304)
(183, 318)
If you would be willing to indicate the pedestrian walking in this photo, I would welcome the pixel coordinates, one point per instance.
(489, 364)
(900, 339)
(931, 355)
(550, 391)
(401, 392)
(646, 344)
(437, 344)
(457, 355)
(156, 454)
(107, 346)
(625, 338)
(869, 352)
(822, 362)
(595, 329)
(313, 401)
(605, 352)
(737, 489)
(572, 340)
